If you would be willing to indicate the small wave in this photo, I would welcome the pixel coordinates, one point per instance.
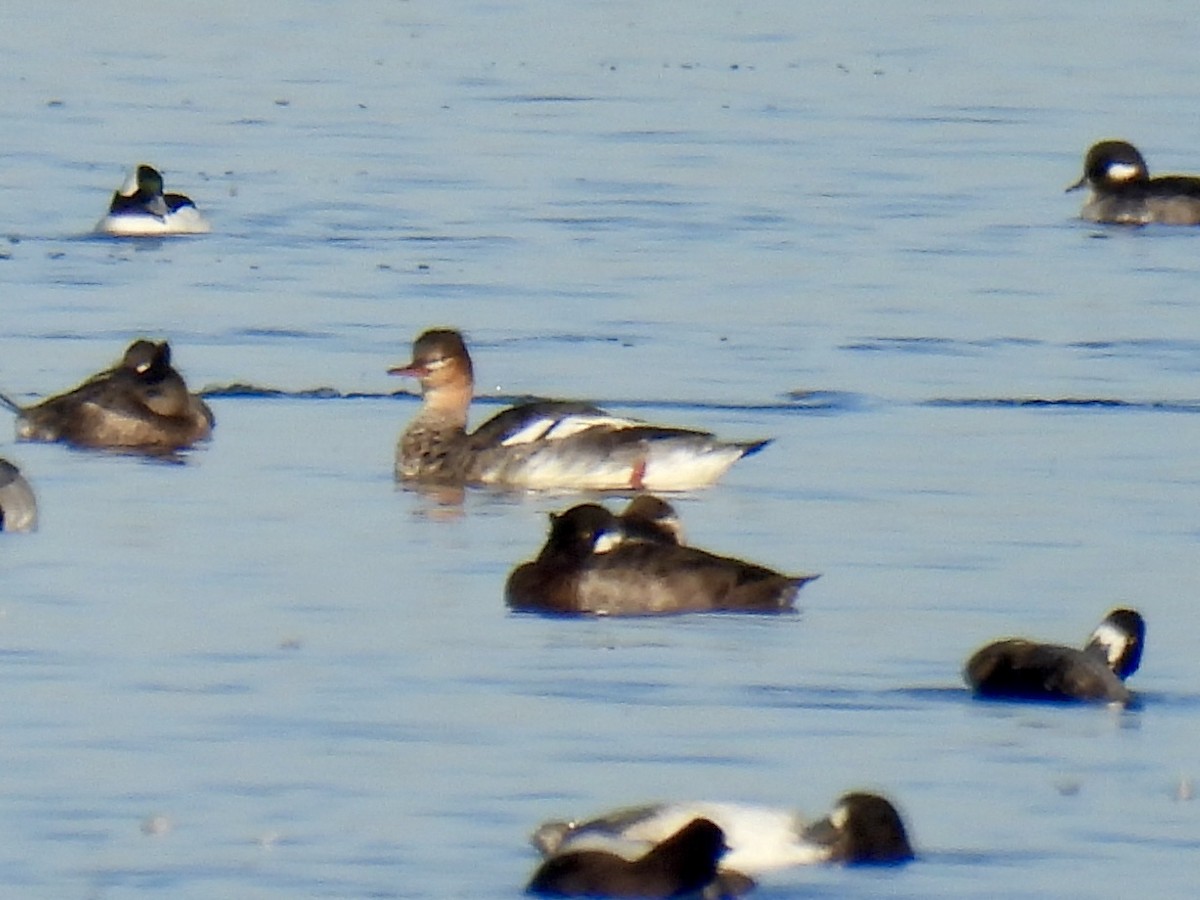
(1181, 406)
(793, 400)
(239, 390)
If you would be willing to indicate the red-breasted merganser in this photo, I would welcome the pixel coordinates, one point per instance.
(550, 444)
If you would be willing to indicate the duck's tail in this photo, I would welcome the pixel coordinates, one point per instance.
(12, 405)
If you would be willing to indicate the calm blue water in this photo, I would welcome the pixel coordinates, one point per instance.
(842, 226)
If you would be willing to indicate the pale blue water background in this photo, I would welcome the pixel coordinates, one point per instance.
(687, 211)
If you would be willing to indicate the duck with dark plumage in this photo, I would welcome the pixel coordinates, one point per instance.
(140, 404)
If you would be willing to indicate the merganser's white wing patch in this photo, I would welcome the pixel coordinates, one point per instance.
(557, 428)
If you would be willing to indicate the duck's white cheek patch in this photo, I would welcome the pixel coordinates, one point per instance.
(839, 817)
(606, 541)
(1120, 171)
(1113, 639)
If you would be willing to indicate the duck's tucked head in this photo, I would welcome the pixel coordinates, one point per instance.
(1119, 640)
(146, 359)
(863, 829)
(439, 357)
(652, 518)
(582, 531)
(1112, 164)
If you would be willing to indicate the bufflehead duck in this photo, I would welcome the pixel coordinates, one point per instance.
(139, 208)
(862, 829)
(589, 566)
(1020, 669)
(1123, 193)
(683, 864)
(141, 403)
(546, 444)
(18, 506)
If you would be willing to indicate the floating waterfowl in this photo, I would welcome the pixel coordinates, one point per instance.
(862, 829)
(543, 445)
(139, 208)
(1021, 669)
(1123, 193)
(141, 403)
(590, 566)
(683, 864)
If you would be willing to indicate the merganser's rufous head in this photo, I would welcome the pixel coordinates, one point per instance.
(439, 359)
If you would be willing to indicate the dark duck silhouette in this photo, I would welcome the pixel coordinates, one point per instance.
(590, 566)
(141, 403)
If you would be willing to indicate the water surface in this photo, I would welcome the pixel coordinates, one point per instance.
(269, 672)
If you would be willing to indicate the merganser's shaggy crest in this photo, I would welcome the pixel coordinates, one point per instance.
(141, 403)
(1019, 669)
(543, 445)
(592, 565)
(18, 506)
(139, 208)
(862, 829)
(1123, 193)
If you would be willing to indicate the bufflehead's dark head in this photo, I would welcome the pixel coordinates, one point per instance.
(582, 531)
(146, 179)
(1118, 640)
(1111, 164)
(863, 829)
